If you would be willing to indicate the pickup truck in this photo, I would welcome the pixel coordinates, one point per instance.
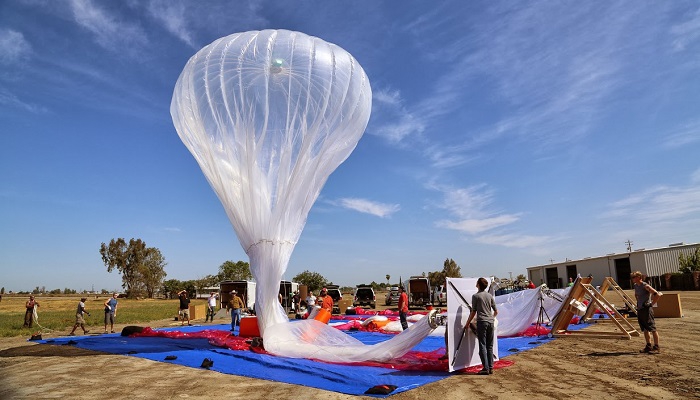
(364, 296)
(392, 297)
(440, 295)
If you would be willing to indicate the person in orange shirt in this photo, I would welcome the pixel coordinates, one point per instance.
(403, 307)
(327, 303)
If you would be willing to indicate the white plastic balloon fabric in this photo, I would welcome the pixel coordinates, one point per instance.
(269, 115)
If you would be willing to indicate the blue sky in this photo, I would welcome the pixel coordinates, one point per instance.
(503, 135)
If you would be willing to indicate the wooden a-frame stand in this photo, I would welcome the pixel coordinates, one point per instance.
(582, 287)
(609, 283)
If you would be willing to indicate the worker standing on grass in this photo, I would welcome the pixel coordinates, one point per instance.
(79, 320)
(29, 313)
(403, 307)
(646, 297)
(111, 312)
(484, 308)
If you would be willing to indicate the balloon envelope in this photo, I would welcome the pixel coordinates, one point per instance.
(268, 115)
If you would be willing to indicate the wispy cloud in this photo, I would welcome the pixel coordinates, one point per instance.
(108, 32)
(173, 17)
(550, 81)
(659, 204)
(365, 206)
(172, 229)
(512, 240)
(13, 47)
(473, 214)
(398, 122)
(686, 32)
(474, 226)
(11, 100)
(684, 135)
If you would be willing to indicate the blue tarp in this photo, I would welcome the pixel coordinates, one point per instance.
(347, 379)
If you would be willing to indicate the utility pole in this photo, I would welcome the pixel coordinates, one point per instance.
(629, 245)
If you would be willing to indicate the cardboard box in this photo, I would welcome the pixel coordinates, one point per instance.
(344, 304)
(198, 311)
(669, 306)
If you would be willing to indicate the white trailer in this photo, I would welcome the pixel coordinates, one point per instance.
(244, 289)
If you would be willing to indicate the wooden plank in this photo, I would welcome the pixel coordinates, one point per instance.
(583, 288)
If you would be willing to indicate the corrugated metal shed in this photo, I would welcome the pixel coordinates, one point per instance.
(651, 262)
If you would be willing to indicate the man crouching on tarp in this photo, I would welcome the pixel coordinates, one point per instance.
(484, 307)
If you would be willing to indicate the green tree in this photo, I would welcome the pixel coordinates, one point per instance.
(238, 271)
(313, 280)
(387, 279)
(450, 269)
(521, 278)
(127, 259)
(152, 271)
(171, 287)
(689, 262)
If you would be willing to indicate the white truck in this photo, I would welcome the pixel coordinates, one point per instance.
(440, 295)
(287, 290)
(244, 289)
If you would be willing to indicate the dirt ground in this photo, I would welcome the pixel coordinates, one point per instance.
(564, 368)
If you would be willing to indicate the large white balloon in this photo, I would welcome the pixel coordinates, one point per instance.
(268, 115)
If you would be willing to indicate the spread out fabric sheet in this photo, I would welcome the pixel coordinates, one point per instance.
(191, 345)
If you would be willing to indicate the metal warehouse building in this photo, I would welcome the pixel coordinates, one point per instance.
(651, 262)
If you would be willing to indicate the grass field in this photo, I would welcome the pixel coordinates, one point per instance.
(57, 313)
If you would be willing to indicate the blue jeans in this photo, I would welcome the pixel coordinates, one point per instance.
(484, 330)
(235, 317)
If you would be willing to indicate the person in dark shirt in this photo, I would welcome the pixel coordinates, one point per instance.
(184, 311)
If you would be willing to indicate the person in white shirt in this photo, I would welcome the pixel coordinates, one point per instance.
(310, 302)
(211, 306)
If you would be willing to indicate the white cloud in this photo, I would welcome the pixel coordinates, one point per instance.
(684, 135)
(517, 241)
(474, 226)
(13, 47)
(172, 229)
(686, 32)
(10, 99)
(659, 205)
(172, 15)
(396, 123)
(695, 176)
(474, 216)
(369, 207)
(108, 32)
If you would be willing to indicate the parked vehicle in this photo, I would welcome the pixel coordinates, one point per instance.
(392, 297)
(364, 296)
(244, 289)
(418, 290)
(336, 295)
(440, 295)
(287, 290)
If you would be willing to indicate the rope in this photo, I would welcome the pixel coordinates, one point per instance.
(35, 316)
(269, 241)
